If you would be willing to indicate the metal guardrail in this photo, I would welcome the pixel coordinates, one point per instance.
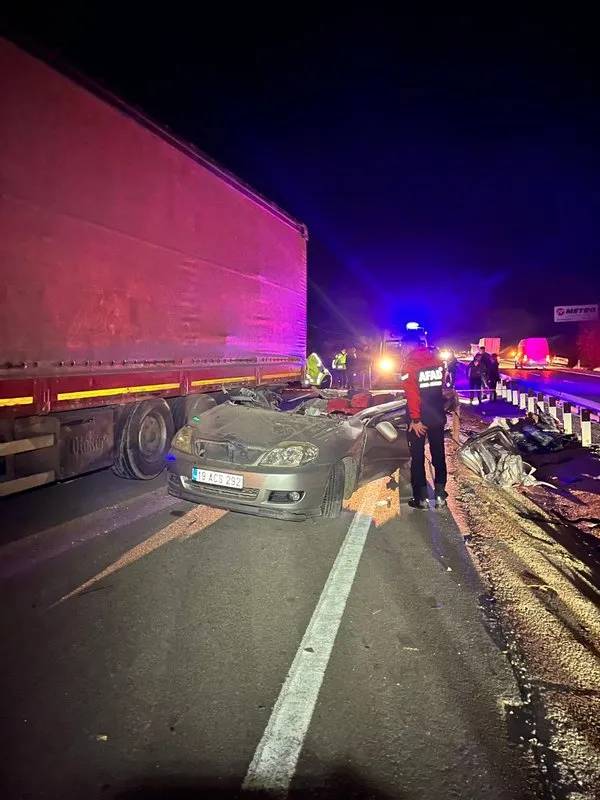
(571, 406)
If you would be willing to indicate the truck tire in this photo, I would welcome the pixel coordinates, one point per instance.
(331, 506)
(184, 408)
(143, 438)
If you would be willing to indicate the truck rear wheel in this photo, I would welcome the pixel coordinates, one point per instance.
(143, 439)
(185, 408)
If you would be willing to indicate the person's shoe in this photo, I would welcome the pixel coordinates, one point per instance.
(423, 505)
(440, 501)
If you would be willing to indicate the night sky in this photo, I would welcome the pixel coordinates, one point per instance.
(447, 166)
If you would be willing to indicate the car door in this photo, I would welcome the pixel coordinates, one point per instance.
(380, 457)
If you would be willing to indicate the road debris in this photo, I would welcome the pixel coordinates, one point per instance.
(544, 590)
(494, 457)
(497, 453)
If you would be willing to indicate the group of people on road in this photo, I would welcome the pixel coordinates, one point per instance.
(427, 382)
(351, 368)
(483, 373)
(427, 379)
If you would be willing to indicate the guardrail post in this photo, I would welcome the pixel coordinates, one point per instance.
(516, 396)
(456, 424)
(509, 393)
(552, 407)
(540, 400)
(522, 401)
(567, 418)
(531, 401)
(586, 428)
(503, 390)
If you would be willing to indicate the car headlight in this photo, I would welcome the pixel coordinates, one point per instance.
(292, 454)
(183, 439)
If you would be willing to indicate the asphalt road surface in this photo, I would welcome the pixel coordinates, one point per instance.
(553, 381)
(156, 649)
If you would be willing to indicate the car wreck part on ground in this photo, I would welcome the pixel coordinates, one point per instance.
(538, 433)
(496, 453)
(493, 456)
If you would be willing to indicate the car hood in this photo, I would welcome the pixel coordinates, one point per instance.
(246, 433)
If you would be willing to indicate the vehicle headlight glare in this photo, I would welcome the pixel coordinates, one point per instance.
(386, 364)
(290, 455)
(183, 439)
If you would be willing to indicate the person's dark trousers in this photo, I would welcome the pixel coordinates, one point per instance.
(493, 384)
(416, 444)
(475, 386)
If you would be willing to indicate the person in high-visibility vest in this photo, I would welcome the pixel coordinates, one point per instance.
(339, 367)
(316, 373)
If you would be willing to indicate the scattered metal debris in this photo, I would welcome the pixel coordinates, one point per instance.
(494, 457)
(496, 454)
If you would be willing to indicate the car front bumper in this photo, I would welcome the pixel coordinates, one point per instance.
(258, 495)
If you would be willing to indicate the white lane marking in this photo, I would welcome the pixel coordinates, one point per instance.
(24, 554)
(276, 756)
(194, 521)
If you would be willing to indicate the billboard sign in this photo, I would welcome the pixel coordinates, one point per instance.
(587, 313)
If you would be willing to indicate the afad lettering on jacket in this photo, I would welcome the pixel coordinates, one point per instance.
(430, 377)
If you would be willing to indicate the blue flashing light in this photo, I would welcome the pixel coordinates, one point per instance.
(170, 457)
(412, 326)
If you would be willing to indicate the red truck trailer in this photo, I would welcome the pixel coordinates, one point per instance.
(135, 276)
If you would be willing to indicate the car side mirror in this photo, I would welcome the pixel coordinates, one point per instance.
(387, 430)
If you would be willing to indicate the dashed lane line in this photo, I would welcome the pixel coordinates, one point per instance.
(196, 520)
(276, 756)
(23, 555)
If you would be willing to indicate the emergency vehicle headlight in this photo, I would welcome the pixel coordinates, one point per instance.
(183, 439)
(290, 454)
(386, 364)
(445, 355)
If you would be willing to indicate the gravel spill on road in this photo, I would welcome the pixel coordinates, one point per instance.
(546, 597)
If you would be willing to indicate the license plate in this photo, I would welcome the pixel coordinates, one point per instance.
(217, 478)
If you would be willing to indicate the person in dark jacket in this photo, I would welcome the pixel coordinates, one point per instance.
(451, 369)
(474, 372)
(363, 368)
(426, 418)
(486, 366)
(351, 369)
(494, 376)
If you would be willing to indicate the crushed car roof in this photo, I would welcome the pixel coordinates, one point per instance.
(268, 427)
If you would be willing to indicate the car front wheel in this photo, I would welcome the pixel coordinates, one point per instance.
(331, 506)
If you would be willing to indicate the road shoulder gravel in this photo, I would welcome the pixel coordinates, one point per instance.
(543, 595)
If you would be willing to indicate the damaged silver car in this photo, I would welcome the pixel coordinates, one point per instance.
(285, 464)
